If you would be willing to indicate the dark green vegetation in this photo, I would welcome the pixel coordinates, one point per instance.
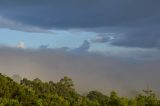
(62, 93)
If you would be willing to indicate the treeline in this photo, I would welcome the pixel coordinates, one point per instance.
(62, 93)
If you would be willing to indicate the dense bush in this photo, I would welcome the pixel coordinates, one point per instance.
(62, 93)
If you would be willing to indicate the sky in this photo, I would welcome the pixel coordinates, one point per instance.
(56, 39)
(107, 37)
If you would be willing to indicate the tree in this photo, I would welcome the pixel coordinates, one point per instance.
(98, 96)
(17, 78)
(38, 93)
(147, 98)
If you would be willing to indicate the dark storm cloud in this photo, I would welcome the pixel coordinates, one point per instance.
(125, 16)
(146, 38)
(81, 13)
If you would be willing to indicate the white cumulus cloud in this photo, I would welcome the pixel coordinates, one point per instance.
(21, 45)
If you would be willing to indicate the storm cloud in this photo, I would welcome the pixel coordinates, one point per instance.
(145, 38)
(138, 20)
(81, 14)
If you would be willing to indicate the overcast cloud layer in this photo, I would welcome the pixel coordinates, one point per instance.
(137, 20)
(82, 14)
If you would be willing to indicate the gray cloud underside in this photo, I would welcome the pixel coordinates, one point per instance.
(138, 20)
(81, 14)
(90, 71)
(144, 38)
